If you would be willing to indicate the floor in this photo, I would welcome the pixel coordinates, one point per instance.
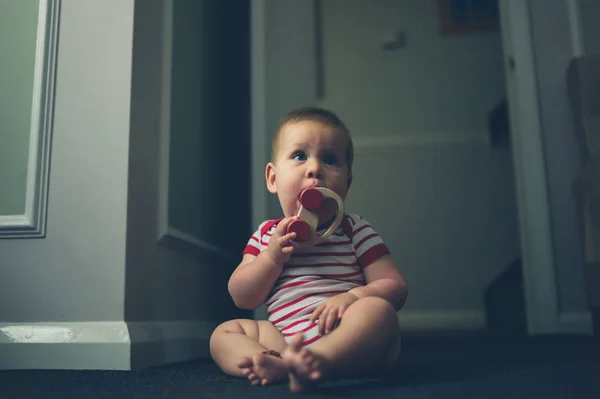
(561, 367)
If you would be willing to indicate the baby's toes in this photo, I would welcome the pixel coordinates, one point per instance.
(314, 374)
(246, 372)
(256, 380)
(244, 362)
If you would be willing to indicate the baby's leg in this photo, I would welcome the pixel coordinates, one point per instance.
(237, 347)
(367, 340)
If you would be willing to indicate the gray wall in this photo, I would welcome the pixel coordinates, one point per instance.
(18, 34)
(589, 11)
(76, 273)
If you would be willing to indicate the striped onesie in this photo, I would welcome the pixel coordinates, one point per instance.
(315, 274)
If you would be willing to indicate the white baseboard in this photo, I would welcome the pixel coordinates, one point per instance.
(441, 321)
(426, 321)
(106, 345)
(376, 145)
(578, 322)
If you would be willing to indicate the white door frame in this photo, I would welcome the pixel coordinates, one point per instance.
(540, 290)
(539, 275)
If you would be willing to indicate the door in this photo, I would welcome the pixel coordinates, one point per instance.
(541, 300)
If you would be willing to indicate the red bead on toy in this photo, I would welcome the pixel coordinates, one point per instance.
(311, 199)
(301, 228)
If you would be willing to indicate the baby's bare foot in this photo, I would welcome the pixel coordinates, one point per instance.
(262, 369)
(303, 365)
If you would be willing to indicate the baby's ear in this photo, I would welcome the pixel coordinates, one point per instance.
(270, 178)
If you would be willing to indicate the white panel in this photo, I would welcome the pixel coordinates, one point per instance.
(169, 236)
(33, 222)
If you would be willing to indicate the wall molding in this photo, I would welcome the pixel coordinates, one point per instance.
(169, 236)
(575, 322)
(452, 320)
(379, 144)
(186, 243)
(32, 223)
(109, 345)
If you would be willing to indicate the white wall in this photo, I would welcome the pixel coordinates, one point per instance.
(589, 11)
(283, 55)
(434, 84)
(425, 175)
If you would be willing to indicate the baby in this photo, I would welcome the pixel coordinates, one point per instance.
(332, 307)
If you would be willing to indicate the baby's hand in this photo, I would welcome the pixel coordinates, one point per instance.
(332, 310)
(280, 248)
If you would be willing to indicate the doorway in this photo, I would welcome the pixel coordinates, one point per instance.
(443, 161)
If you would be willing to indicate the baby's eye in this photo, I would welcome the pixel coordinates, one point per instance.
(299, 156)
(330, 160)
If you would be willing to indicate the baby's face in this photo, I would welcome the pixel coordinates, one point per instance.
(310, 154)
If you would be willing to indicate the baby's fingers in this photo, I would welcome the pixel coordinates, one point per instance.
(323, 320)
(287, 238)
(316, 313)
(332, 317)
(281, 229)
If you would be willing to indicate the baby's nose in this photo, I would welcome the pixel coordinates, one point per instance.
(314, 170)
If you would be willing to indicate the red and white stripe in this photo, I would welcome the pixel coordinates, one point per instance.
(315, 274)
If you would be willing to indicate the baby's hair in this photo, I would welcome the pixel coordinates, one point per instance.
(316, 114)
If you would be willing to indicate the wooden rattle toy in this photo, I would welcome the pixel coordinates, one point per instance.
(311, 200)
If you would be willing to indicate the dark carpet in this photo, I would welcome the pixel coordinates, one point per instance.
(565, 367)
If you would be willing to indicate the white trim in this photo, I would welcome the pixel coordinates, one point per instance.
(575, 25)
(576, 323)
(377, 144)
(541, 296)
(165, 118)
(169, 236)
(33, 222)
(455, 320)
(109, 345)
(259, 156)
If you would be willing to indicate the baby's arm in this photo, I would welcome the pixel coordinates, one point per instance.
(385, 281)
(253, 279)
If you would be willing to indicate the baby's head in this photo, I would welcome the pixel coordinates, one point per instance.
(311, 147)
(322, 116)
